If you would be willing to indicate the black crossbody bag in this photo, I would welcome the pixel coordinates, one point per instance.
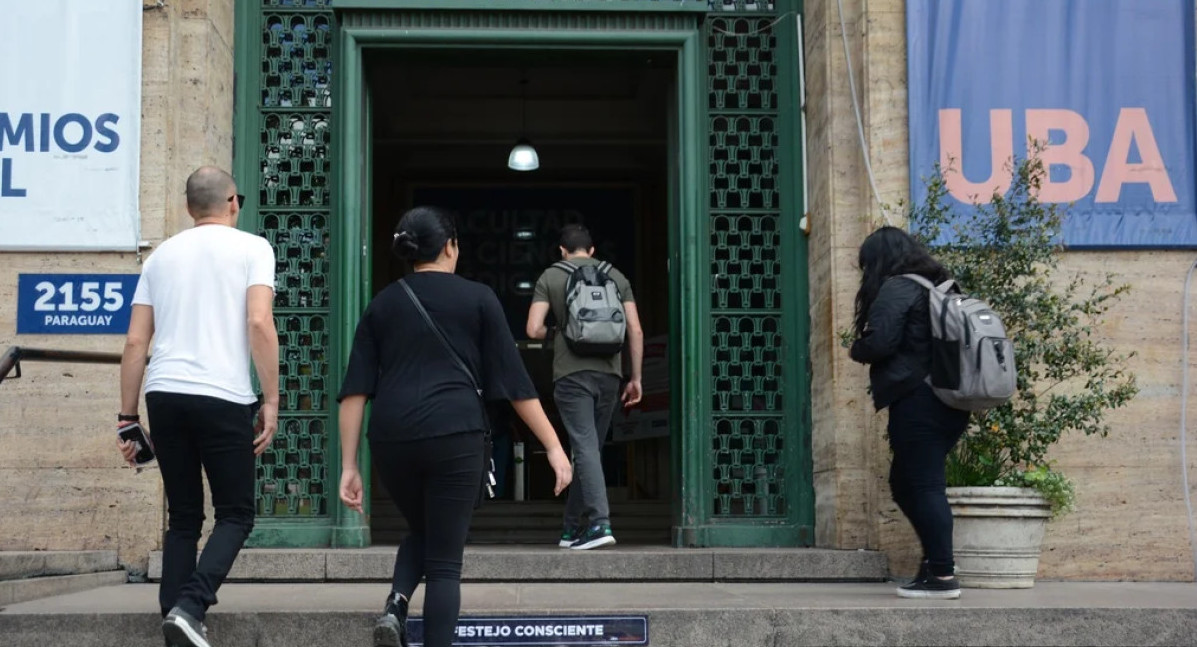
(487, 488)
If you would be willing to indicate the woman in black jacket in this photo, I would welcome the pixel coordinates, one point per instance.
(428, 421)
(893, 336)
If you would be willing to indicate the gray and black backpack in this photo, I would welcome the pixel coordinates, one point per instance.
(972, 360)
(595, 324)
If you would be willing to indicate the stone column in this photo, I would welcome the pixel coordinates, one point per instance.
(850, 456)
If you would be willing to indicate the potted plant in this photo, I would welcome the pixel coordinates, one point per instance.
(1002, 485)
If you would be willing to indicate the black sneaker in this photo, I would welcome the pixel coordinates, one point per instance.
(182, 630)
(569, 535)
(929, 587)
(391, 628)
(596, 536)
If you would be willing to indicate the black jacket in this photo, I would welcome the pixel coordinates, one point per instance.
(897, 341)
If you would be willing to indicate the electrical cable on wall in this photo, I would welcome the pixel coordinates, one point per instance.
(754, 32)
(864, 147)
(1184, 414)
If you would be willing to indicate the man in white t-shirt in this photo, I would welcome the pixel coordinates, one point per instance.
(205, 298)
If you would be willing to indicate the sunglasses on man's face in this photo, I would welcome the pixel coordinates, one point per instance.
(240, 200)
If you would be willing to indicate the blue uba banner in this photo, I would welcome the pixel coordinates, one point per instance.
(75, 304)
(1108, 87)
(578, 630)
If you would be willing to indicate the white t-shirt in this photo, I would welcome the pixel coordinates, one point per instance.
(196, 283)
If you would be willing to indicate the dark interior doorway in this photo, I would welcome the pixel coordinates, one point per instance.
(444, 123)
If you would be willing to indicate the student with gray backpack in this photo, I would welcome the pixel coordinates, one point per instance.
(929, 371)
(596, 318)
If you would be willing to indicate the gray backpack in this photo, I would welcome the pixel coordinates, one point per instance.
(972, 360)
(595, 324)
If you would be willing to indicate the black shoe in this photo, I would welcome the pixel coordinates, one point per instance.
(929, 587)
(182, 630)
(391, 628)
(596, 536)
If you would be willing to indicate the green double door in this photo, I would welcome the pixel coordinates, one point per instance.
(738, 306)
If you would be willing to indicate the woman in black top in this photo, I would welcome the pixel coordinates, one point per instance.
(893, 336)
(427, 425)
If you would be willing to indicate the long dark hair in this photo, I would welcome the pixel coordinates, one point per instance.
(887, 252)
(422, 233)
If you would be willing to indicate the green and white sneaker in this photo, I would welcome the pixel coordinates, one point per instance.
(596, 536)
(569, 536)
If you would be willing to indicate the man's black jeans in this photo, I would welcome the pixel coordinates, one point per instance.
(191, 432)
(922, 430)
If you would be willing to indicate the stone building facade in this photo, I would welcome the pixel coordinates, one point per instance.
(63, 486)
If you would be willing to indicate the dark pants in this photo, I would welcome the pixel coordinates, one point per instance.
(922, 430)
(191, 432)
(434, 482)
(586, 402)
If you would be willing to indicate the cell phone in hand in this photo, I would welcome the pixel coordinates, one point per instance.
(136, 434)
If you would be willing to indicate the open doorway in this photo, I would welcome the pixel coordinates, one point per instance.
(444, 123)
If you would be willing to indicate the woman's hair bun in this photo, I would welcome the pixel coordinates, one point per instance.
(422, 234)
(406, 245)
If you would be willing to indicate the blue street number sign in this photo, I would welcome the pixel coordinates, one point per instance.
(74, 304)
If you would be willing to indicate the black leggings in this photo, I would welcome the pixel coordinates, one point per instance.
(922, 430)
(434, 482)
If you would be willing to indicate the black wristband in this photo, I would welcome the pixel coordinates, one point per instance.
(120, 417)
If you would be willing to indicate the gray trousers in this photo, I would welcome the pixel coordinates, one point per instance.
(586, 401)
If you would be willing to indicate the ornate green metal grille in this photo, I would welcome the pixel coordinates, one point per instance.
(294, 172)
(747, 443)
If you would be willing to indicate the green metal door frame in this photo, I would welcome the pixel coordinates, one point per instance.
(739, 362)
(742, 454)
(688, 245)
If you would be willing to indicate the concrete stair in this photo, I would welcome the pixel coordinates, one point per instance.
(681, 614)
(534, 522)
(514, 564)
(29, 575)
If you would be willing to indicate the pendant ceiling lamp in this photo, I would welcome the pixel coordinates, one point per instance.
(523, 156)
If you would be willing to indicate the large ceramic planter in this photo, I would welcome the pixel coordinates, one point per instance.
(998, 535)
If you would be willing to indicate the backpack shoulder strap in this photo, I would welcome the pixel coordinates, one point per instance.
(920, 280)
(605, 268)
(565, 266)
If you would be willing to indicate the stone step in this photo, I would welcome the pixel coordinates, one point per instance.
(552, 564)
(15, 565)
(678, 614)
(33, 588)
(533, 522)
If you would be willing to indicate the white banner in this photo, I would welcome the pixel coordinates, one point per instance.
(70, 124)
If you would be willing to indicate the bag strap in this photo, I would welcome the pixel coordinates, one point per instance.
(488, 466)
(566, 266)
(921, 280)
(440, 334)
